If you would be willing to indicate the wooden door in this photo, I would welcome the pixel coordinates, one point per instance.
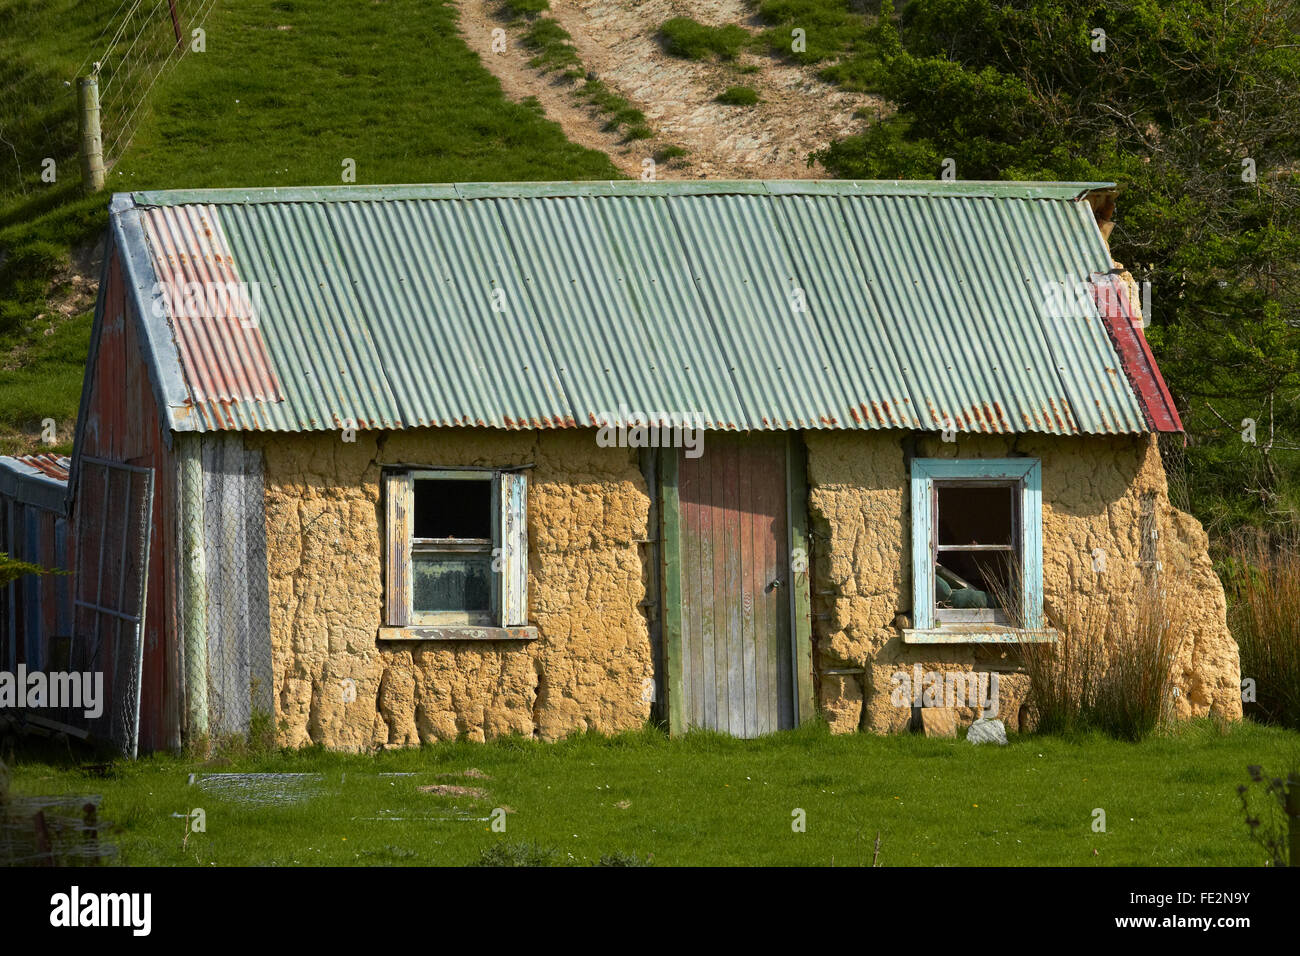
(735, 586)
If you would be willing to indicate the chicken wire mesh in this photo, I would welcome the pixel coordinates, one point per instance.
(234, 639)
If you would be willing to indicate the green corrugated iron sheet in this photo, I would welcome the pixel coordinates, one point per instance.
(564, 304)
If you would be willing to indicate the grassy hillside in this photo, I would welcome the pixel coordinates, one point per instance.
(285, 92)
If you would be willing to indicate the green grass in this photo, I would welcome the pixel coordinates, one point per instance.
(831, 28)
(837, 35)
(550, 42)
(285, 92)
(708, 799)
(620, 111)
(738, 96)
(686, 38)
(516, 9)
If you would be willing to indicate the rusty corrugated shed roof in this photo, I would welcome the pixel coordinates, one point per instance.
(753, 305)
(40, 480)
(52, 466)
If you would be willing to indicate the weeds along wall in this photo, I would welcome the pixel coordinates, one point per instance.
(589, 517)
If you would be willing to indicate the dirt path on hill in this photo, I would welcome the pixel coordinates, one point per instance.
(796, 115)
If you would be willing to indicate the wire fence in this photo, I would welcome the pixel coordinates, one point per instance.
(137, 44)
(152, 36)
(52, 831)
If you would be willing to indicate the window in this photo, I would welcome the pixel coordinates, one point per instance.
(976, 560)
(976, 548)
(457, 548)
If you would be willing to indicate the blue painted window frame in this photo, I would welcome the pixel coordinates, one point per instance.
(1028, 473)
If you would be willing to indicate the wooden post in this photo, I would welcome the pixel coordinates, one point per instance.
(176, 23)
(194, 608)
(92, 143)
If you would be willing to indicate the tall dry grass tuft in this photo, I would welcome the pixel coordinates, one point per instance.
(1263, 585)
(1137, 693)
(1064, 677)
(1111, 667)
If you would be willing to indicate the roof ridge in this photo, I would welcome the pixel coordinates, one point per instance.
(1051, 191)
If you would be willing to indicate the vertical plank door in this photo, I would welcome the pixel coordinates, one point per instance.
(735, 586)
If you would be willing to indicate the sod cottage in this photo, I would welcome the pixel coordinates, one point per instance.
(388, 465)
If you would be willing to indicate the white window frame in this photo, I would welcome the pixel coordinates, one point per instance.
(508, 607)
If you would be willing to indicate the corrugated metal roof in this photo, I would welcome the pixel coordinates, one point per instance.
(51, 466)
(40, 480)
(757, 305)
(211, 308)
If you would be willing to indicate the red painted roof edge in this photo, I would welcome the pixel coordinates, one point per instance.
(1125, 330)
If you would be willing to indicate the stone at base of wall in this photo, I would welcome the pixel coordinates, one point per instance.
(939, 722)
(985, 731)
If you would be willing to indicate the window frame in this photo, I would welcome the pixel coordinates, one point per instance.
(1015, 493)
(453, 546)
(1023, 474)
(508, 551)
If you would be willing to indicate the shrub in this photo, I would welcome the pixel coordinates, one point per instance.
(738, 96)
(691, 40)
(12, 570)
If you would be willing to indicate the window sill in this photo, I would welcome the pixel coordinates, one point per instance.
(457, 632)
(978, 634)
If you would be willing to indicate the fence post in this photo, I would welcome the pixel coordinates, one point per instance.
(92, 142)
(194, 609)
(176, 23)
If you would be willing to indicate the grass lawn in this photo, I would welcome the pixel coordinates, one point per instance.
(705, 799)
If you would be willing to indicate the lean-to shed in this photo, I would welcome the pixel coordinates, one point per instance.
(415, 462)
(34, 529)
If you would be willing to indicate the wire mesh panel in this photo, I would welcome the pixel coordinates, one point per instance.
(237, 619)
(113, 519)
